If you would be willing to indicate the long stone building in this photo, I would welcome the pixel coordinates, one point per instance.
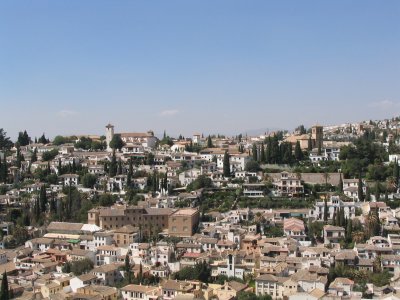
(181, 222)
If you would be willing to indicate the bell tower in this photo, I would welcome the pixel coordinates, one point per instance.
(109, 135)
(317, 136)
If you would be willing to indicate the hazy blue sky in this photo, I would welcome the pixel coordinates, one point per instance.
(69, 67)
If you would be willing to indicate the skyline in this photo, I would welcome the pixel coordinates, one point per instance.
(226, 67)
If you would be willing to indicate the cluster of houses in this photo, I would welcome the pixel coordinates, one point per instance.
(232, 244)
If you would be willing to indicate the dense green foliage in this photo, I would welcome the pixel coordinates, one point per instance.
(357, 158)
(78, 267)
(5, 142)
(49, 155)
(88, 180)
(201, 182)
(200, 271)
(251, 296)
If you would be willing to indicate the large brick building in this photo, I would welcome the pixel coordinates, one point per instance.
(181, 222)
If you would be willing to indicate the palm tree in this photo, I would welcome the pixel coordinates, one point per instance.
(391, 184)
(372, 222)
(358, 236)
(377, 265)
(326, 177)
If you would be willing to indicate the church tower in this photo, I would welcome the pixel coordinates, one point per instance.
(109, 135)
(317, 136)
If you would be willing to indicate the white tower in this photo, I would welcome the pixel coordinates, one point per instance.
(109, 135)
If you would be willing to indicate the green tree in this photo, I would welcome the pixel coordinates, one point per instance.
(59, 140)
(78, 267)
(116, 142)
(23, 138)
(150, 159)
(226, 165)
(5, 142)
(252, 166)
(201, 182)
(49, 155)
(43, 139)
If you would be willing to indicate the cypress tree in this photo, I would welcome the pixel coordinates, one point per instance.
(262, 159)
(43, 199)
(341, 217)
(73, 166)
(396, 172)
(34, 155)
(325, 211)
(19, 156)
(37, 209)
(268, 152)
(226, 165)
(5, 171)
(340, 183)
(140, 275)
(113, 165)
(4, 293)
(53, 205)
(69, 208)
(334, 218)
(349, 230)
(337, 221)
(368, 195)
(1, 171)
(165, 182)
(298, 154)
(59, 167)
(119, 168)
(209, 142)
(377, 191)
(309, 146)
(128, 268)
(130, 173)
(254, 152)
(360, 188)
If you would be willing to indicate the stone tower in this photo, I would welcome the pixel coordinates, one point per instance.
(317, 136)
(109, 135)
